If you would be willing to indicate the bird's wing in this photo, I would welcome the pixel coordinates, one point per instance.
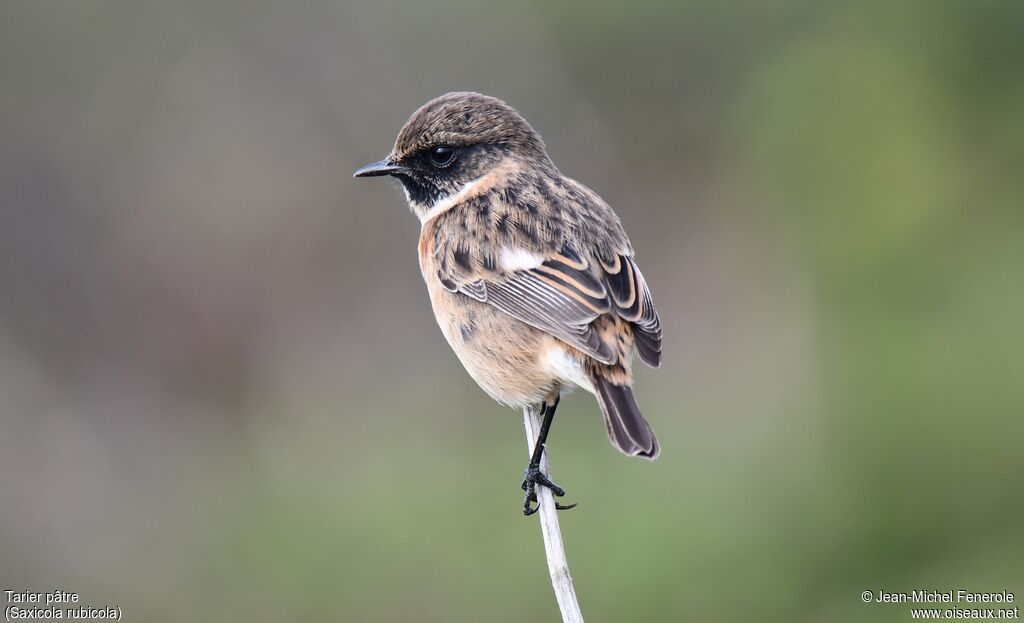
(565, 293)
(632, 301)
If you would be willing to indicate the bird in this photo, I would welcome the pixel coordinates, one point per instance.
(530, 274)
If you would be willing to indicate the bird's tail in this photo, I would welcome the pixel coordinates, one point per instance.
(627, 429)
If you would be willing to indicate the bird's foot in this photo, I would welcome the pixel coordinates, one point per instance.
(532, 478)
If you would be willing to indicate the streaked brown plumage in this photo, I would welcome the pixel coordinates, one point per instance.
(530, 274)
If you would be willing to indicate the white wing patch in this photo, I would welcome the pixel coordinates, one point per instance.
(446, 203)
(513, 259)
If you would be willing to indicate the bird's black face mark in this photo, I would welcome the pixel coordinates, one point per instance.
(441, 170)
(420, 190)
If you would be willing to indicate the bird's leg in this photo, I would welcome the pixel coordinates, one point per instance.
(533, 476)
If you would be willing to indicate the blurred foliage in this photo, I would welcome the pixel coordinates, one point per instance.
(222, 393)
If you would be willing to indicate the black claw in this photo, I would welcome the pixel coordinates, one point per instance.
(531, 497)
(533, 478)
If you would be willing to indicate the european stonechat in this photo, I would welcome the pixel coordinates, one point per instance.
(530, 273)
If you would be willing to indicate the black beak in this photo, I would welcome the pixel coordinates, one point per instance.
(382, 167)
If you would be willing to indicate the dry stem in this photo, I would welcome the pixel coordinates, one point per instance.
(558, 566)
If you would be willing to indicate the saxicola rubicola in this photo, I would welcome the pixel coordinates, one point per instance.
(530, 274)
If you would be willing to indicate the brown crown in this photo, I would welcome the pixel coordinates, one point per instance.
(466, 118)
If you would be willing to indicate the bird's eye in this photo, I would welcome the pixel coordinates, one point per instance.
(442, 156)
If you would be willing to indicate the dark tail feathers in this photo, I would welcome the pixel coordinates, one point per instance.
(627, 429)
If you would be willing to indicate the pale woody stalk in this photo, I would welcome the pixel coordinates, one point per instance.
(558, 566)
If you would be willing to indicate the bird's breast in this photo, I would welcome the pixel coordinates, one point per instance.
(503, 355)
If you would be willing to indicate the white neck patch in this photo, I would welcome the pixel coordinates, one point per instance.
(446, 203)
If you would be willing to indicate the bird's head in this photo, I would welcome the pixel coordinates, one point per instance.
(454, 140)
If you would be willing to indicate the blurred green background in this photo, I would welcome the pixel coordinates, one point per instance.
(223, 395)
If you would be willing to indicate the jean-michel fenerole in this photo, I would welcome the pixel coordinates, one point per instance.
(947, 597)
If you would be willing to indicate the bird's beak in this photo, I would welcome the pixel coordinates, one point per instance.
(381, 167)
